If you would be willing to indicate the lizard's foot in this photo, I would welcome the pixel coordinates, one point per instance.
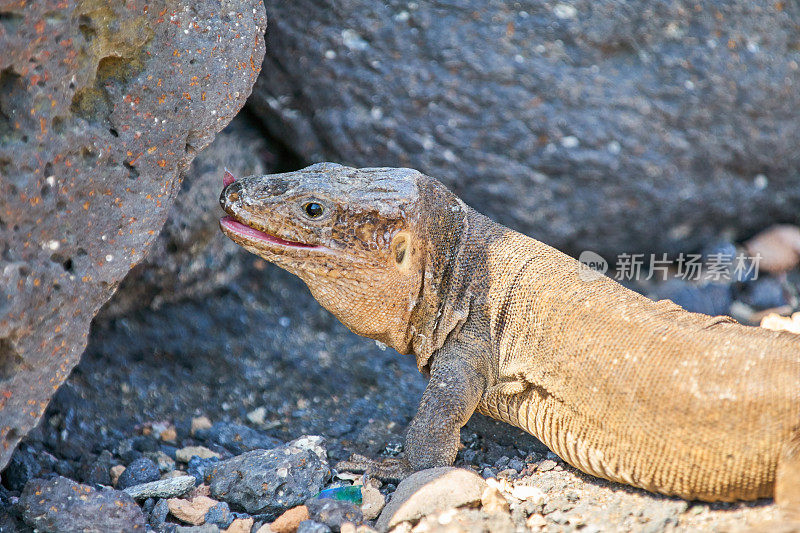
(390, 470)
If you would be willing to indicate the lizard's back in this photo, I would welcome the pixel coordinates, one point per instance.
(633, 390)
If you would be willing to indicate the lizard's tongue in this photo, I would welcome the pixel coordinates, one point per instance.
(227, 178)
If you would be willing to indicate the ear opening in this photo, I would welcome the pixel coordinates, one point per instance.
(401, 248)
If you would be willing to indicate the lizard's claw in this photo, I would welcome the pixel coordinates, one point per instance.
(390, 470)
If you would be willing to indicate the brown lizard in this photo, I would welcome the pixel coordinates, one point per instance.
(619, 386)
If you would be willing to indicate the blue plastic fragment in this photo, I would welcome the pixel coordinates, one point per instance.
(349, 493)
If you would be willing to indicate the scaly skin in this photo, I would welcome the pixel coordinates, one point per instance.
(619, 386)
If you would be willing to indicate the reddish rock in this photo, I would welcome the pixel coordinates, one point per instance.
(103, 105)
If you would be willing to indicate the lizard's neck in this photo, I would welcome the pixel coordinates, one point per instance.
(444, 300)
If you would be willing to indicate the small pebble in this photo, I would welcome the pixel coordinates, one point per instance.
(199, 423)
(546, 465)
(289, 520)
(185, 454)
(240, 525)
(257, 416)
(782, 323)
(191, 511)
(530, 507)
(220, 515)
(528, 493)
(198, 467)
(372, 502)
(493, 501)
(164, 462)
(94, 470)
(516, 464)
(200, 490)
(162, 488)
(115, 472)
(778, 248)
(469, 456)
(204, 528)
(500, 463)
(159, 514)
(147, 505)
(169, 434)
(125, 450)
(271, 481)
(144, 443)
(142, 470)
(536, 522)
(60, 504)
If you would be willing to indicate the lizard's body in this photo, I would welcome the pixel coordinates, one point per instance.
(633, 390)
(617, 385)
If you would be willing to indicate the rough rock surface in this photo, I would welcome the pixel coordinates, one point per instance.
(59, 504)
(590, 124)
(21, 468)
(103, 105)
(271, 481)
(162, 488)
(191, 257)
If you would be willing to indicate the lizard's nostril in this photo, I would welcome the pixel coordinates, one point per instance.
(227, 178)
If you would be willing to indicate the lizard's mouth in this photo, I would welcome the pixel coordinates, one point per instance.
(233, 227)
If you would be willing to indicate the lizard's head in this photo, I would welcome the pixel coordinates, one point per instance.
(350, 234)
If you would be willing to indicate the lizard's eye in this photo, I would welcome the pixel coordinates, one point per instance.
(313, 209)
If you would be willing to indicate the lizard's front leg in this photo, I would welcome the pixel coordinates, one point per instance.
(453, 392)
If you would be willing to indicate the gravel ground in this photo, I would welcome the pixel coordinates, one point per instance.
(263, 354)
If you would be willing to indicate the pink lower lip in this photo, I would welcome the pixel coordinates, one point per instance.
(251, 233)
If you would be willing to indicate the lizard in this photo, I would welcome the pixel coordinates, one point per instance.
(619, 386)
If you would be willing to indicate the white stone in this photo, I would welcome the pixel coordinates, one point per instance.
(570, 141)
(564, 11)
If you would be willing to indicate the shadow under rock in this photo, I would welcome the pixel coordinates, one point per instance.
(263, 341)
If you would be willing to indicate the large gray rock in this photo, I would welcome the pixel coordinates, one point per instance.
(271, 481)
(103, 105)
(591, 124)
(59, 504)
